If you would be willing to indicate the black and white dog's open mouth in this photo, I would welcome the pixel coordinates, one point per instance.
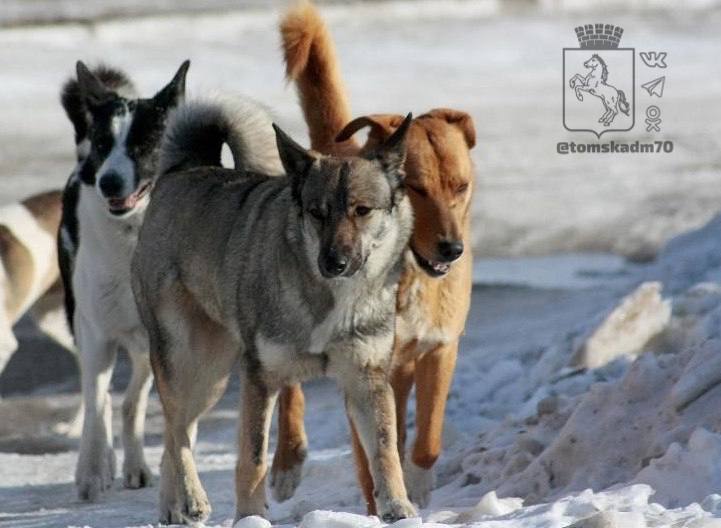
(120, 206)
(434, 269)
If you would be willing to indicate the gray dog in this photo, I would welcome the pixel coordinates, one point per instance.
(294, 275)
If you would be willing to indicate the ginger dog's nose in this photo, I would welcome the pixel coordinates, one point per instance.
(450, 250)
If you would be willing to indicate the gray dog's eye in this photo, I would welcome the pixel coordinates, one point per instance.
(316, 213)
(362, 210)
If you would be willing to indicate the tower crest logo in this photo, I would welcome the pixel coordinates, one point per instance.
(599, 82)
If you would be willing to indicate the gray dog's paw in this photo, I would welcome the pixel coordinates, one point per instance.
(170, 516)
(195, 508)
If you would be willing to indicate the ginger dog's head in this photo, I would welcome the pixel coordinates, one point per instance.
(439, 179)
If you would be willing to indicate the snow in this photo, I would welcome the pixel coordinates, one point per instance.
(587, 391)
(252, 521)
(533, 438)
(639, 317)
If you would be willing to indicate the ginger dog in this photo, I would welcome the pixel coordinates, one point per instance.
(435, 288)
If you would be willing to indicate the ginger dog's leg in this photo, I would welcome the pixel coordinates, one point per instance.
(402, 379)
(434, 372)
(292, 445)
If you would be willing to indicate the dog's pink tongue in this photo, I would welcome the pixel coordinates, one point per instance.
(125, 203)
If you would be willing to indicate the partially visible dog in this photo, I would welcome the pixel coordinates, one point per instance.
(294, 276)
(29, 274)
(103, 206)
(435, 288)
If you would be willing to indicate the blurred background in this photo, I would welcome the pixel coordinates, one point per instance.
(551, 231)
(499, 60)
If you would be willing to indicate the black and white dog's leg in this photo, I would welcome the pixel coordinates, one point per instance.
(135, 472)
(96, 460)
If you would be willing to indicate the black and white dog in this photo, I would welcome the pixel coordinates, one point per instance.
(103, 206)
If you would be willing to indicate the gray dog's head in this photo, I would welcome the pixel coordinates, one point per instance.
(349, 206)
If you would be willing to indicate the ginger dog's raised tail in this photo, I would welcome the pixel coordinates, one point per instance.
(312, 64)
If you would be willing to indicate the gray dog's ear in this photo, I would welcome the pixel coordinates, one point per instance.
(296, 160)
(174, 92)
(392, 153)
(93, 91)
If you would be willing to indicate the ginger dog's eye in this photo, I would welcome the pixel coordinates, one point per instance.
(419, 190)
(362, 210)
(462, 188)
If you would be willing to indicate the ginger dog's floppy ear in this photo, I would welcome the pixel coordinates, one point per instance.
(460, 119)
(382, 126)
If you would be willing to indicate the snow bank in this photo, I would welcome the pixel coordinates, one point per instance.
(637, 401)
(639, 317)
(615, 421)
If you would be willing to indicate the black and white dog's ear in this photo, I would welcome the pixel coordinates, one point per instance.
(392, 152)
(296, 160)
(174, 92)
(93, 91)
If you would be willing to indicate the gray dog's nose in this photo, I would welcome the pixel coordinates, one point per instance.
(333, 264)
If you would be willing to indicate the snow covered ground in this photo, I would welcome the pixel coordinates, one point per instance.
(587, 389)
(597, 403)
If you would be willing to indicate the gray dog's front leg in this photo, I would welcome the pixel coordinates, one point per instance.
(371, 408)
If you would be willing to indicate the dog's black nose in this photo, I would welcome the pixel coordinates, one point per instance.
(111, 185)
(334, 264)
(450, 250)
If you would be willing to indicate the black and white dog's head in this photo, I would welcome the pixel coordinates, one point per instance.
(124, 136)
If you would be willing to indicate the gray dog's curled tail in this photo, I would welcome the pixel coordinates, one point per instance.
(197, 130)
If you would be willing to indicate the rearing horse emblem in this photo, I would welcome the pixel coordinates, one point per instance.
(599, 71)
(596, 84)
